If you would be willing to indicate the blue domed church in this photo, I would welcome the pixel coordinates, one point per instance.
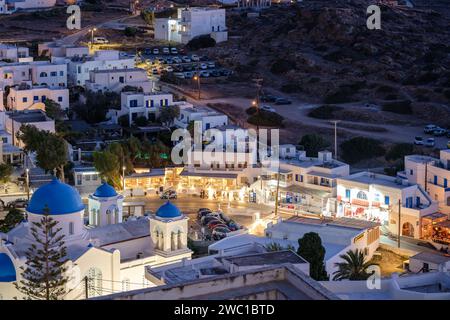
(113, 254)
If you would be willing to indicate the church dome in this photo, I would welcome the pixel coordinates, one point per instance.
(7, 270)
(105, 191)
(168, 210)
(59, 197)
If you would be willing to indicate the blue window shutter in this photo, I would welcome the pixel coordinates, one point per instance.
(386, 200)
(445, 182)
(347, 193)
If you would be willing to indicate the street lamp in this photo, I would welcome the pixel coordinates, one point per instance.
(92, 36)
(28, 183)
(197, 78)
(123, 177)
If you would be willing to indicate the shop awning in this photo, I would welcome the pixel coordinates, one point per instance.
(303, 190)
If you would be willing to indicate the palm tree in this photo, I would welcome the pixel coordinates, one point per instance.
(354, 266)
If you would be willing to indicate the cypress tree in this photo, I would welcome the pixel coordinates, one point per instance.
(311, 249)
(43, 275)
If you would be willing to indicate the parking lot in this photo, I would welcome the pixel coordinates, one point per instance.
(183, 66)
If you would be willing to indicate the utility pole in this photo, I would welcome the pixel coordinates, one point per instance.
(28, 183)
(197, 78)
(426, 176)
(278, 189)
(399, 218)
(335, 138)
(86, 288)
(255, 103)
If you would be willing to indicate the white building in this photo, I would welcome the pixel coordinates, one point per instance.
(116, 79)
(306, 184)
(209, 118)
(140, 104)
(376, 197)
(338, 236)
(20, 98)
(37, 118)
(41, 73)
(56, 50)
(433, 175)
(11, 6)
(113, 256)
(80, 65)
(14, 53)
(192, 22)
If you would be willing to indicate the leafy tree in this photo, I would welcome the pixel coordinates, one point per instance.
(51, 150)
(360, 148)
(311, 249)
(199, 42)
(53, 110)
(275, 246)
(354, 266)
(168, 114)
(130, 31)
(6, 171)
(313, 143)
(96, 106)
(12, 218)
(108, 165)
(324, 112)
(141, 121)
(399, 151)
(148, 16)
(44, 271)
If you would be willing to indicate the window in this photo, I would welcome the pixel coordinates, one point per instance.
(166, 102)
(71, 227)
(61, 73)
(36, 98)
(386, 200)
(24, 99)
(88, 178)
(411, 172)
(133, 103)
(435, 180)
(445, 182)
(361, 195)
(94, 177)
(43, 74)
(347, 193)
(53, 74)
(43, 98)
(60, 99)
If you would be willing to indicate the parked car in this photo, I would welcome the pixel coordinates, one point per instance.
(267, 108)
(100, 40)
(179, 75)
(439, 132)
(169, 194)
(168, 69)
(211, 65)
(207, 219)
(187, 67)
(195, 57)
(173, 51)
(18, 203)
(203, 212)
(418, 141)
(225, 73)
(448, 133)
(268, 98)
(204, 74)
(188, 75)
(155, 71)
(169, 61)
(215, 73)
(147, 51)
(430, 142)
(186, 59)
(177, 60)
(429, 128)
(204, 58)
(203, 66)
(155, 51)
(282, 101)
(166, 51)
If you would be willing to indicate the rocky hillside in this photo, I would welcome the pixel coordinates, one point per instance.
(323, 51)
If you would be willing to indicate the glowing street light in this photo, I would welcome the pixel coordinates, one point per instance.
(92, 35)
(197, 78)
(28, 183)
(123, 177)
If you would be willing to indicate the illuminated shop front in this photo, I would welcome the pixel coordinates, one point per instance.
(436, 227)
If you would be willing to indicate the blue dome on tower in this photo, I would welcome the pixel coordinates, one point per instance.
(59, 197)
(7, 270)
(105, 191)
(168, 210)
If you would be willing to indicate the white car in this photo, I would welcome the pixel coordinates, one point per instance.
(168, 69)
(188, 75)
(100, 40)
(195, 57)
(155, 51)
(203, 66)
(176, 60)
(204, 74)
(211, 65)
(179, 75)
(173, 51)
(186, 59)
(429, 128)
(166, 51)
(418, 141)
(267, 108)
(429, 142)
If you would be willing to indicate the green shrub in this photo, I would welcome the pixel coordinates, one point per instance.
(401, 107)
(324, 112)
(313, 143)
(361, 148)
(130, 31)
(399, 151)
(204, 41)
(266, 119)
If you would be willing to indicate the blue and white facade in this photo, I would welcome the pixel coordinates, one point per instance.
(110, 252)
